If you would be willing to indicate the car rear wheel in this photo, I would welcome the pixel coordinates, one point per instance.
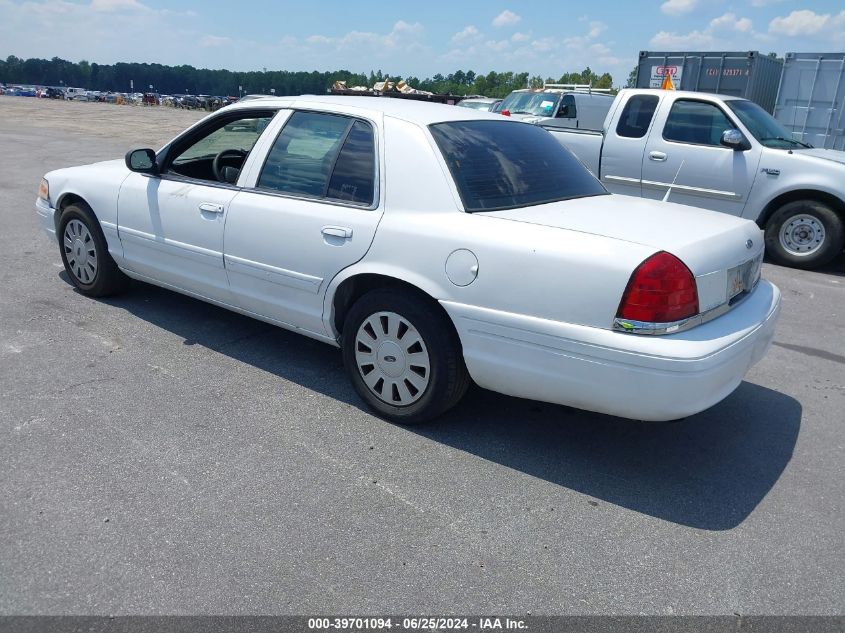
(85, 254)
(804, 234)
(403, 356)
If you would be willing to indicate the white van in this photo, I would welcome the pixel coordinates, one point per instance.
(72, 93)
(560, 105)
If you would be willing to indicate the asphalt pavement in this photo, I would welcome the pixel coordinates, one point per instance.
(163, 456)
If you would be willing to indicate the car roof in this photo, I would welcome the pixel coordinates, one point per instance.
(691, 94)
(420, 112)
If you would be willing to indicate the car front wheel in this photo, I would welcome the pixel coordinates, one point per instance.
(403, 356)
(804, 234)
(85, 254)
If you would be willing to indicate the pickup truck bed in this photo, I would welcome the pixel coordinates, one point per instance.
(724, 154)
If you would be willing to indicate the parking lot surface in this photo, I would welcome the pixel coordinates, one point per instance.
(163, 456)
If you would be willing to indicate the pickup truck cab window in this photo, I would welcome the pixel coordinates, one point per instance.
(696, 122)
(320, 155)
(636, 116)
(502, 165)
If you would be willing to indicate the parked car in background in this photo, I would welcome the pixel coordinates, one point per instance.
(543, 286)
(54, 93)
(72, 93)
(569, 106)
(478, 103)
(726, 154)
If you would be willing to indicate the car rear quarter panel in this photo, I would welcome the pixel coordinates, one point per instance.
(523, 268)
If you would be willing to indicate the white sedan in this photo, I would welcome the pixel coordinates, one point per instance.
(434, 245)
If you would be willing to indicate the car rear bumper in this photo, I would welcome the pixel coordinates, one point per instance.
(638, 377)
(46, 216)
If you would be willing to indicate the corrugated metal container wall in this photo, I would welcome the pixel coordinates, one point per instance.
(811, 98)
(741, 74)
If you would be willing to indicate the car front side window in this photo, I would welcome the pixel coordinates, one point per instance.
(696, 122)
(218, 152)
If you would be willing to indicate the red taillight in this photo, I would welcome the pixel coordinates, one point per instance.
(661, 290)
(506, 113)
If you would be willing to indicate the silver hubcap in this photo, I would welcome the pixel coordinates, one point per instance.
(802, 234)
(80, 251)
(392, 358)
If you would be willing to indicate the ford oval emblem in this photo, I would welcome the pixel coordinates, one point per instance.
(749, 244)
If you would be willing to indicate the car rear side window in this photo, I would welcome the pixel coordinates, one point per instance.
(503, 165)
(320, 155)
(636, 116)
(354, 172)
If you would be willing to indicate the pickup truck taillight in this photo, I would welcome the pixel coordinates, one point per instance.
(661, 290)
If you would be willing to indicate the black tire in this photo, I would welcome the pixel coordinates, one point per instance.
(106, 279)
(822, 249)
(448, 379)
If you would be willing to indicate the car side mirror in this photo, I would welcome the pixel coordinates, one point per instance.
(734, 139)
(142, 161)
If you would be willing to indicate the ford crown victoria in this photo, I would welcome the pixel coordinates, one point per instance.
(435, 245)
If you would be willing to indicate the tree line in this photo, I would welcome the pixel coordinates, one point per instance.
(189, 80)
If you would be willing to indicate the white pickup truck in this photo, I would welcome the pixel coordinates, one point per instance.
(721, 153)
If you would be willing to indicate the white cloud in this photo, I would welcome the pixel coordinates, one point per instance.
(729, 22)
(117, 5)
(520, 37)
(468, 34)
(403, 34)
(596, 28)
(545, 44)
(688, 41)
(100, 31)
(804, 22)
(497, 46)
(211, 41)
(678, 7)
(726, 32)
(506, 18)
(743, 25)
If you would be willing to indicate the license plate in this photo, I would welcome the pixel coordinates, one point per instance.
(744, 277)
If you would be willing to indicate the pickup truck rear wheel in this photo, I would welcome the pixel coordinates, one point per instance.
(403, 356)
(804, 234)
(85, 253)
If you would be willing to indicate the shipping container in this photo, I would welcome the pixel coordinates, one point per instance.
(811, 96)
(744, 74)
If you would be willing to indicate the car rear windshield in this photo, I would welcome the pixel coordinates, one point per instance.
(503, 165)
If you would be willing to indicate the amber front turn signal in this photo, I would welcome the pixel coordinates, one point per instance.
(44, 190)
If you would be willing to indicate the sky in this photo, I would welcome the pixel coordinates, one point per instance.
(412, 38)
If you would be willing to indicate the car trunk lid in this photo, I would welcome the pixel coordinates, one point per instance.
(723, 252)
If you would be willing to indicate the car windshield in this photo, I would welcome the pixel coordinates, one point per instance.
(534, 103)
(504, 165)
(764, 126)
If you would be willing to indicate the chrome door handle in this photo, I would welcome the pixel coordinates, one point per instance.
(658, 156)
(210, 207)
(337, 231)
